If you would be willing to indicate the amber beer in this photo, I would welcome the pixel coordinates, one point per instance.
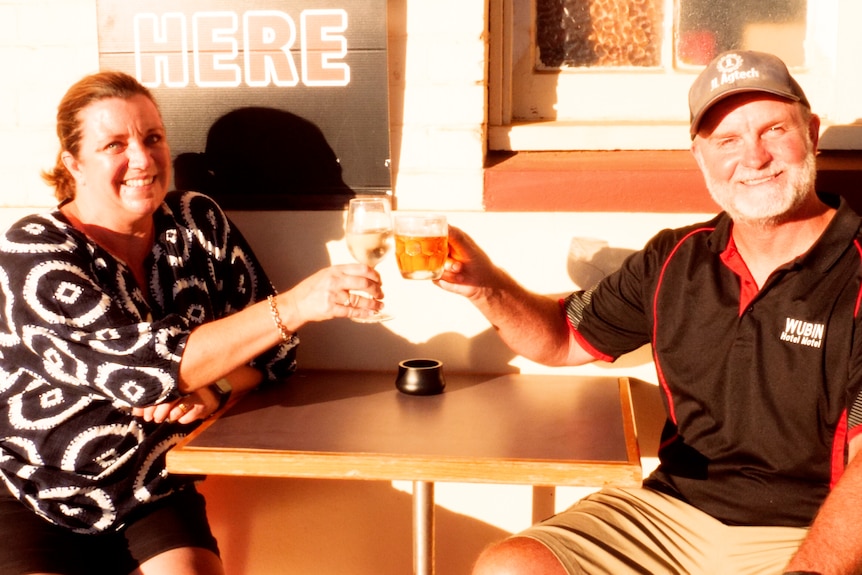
(421, 245)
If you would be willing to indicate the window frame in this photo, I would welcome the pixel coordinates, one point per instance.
(832, 81)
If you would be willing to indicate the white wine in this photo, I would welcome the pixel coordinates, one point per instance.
(370, 246)
(368, 234)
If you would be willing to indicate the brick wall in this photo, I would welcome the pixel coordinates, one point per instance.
(45, 45)
(437, 91)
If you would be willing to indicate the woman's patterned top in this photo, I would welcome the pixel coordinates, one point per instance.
(81, 344)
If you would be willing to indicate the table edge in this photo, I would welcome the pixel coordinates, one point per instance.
(298, 464)
(185, 459)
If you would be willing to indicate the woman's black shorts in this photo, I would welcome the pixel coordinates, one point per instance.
(32, 544)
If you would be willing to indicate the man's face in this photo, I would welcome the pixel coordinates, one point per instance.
(757, 156)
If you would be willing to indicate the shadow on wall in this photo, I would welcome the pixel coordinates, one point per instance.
(375, 347)
(260, 158)
(591, 259)
(291, 248)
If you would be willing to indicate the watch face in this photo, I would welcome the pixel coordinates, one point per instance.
(223, 387)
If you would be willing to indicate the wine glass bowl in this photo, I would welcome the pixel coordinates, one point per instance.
(368, 233)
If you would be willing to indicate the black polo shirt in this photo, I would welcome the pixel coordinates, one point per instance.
(757, 395)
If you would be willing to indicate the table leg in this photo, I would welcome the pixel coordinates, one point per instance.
(423, 528)
(543, 502)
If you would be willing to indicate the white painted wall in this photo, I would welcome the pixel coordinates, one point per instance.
(437, 96)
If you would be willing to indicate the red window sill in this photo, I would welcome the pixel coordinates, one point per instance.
(628, 181)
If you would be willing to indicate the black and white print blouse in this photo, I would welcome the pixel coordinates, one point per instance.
(81, 344)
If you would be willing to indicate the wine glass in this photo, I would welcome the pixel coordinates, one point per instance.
(368, 231)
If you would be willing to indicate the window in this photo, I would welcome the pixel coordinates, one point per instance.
(614, 74)
(629, 33)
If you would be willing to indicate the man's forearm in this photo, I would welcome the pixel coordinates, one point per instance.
(834, 542)
(532, 325)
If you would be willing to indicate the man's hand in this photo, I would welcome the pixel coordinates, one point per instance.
(469, 270)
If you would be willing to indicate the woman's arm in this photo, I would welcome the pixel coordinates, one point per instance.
(222, 346)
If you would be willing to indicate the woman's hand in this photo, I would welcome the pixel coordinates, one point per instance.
(326, 294)
(199, 404)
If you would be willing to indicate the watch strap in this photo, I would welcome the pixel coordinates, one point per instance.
(223, 390)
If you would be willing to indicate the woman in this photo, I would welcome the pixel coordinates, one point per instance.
(127, 315)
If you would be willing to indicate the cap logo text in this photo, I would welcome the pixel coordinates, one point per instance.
(729, 66)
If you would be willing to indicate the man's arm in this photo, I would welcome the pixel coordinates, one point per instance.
(532, 325)
(834, 543)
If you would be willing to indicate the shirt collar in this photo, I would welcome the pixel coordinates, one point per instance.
(841, 232)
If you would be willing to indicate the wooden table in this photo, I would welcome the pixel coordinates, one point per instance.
(512, 429)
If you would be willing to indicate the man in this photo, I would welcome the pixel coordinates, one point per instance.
(752, 318)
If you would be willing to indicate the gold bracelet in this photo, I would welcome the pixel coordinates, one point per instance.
(273, 310)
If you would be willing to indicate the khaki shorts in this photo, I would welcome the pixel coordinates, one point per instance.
(627, 531)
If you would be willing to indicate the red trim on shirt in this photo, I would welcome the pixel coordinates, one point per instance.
(588, 348)
(859, 295)
(839, 444)
(581, 341)
(844, 435)
(747, 286)
(671, 410)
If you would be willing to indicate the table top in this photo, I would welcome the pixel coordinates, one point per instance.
(513, 428)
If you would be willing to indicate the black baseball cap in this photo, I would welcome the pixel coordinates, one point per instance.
(736, 72)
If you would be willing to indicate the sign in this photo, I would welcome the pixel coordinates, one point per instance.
(268, 104)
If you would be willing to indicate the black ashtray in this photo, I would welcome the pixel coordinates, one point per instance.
(420, 377)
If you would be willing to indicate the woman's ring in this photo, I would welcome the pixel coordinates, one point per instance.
(347, 302)
(184, 408)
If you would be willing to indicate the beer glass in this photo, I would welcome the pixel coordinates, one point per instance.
(421, 245)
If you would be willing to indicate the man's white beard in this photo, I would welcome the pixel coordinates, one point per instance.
(767, 208)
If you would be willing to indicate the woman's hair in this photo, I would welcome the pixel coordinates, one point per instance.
(86, 91)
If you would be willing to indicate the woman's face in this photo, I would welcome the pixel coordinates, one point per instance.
(123, 168)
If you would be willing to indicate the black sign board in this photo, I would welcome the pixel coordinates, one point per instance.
(268, 104)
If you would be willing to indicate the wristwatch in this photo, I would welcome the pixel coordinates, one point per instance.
(222, 389)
